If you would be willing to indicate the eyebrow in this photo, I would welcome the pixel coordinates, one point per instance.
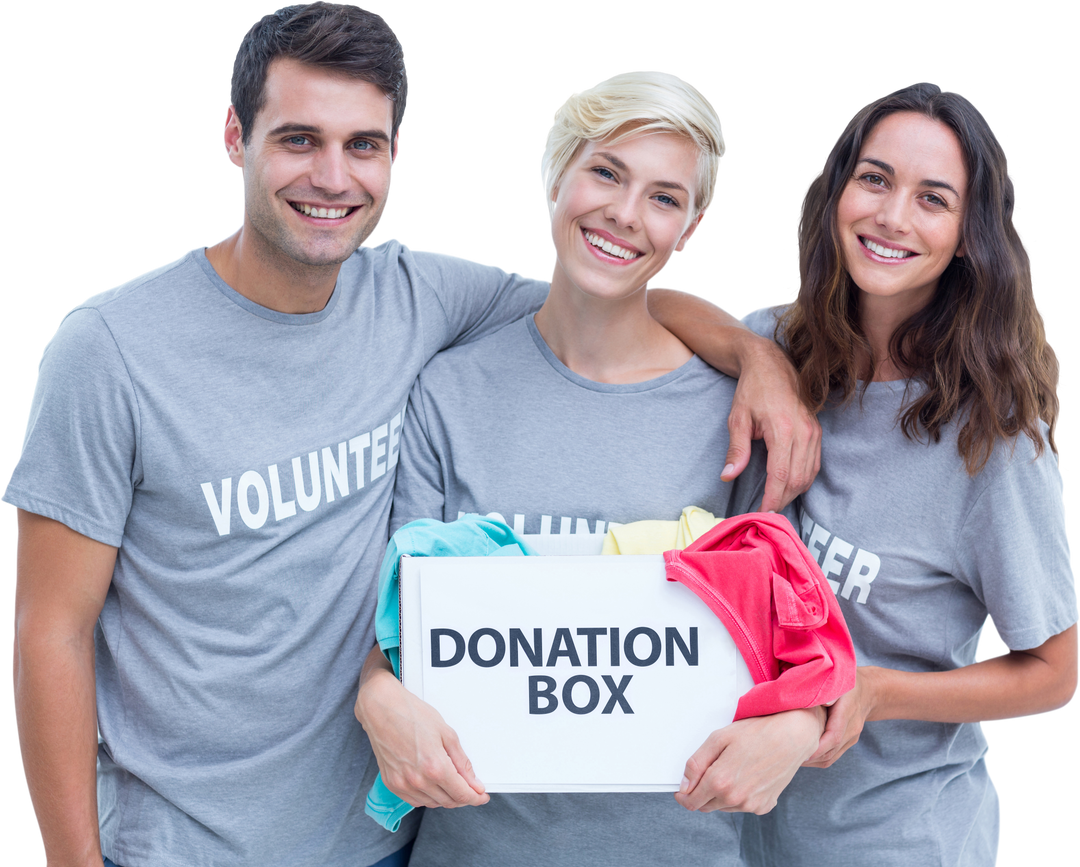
(884, 166)
(294, 128)
(619, 164)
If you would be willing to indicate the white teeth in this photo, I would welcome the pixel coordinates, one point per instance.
(608, 247)
(886, 252)
(322, 213)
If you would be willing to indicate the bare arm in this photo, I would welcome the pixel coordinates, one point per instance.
(766, 405)
(418, 753)
(745, 766)
(62, 581)
(1019, 683)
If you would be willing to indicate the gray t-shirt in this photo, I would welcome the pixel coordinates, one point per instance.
(243, 461)
(501, 427)
(918, 553)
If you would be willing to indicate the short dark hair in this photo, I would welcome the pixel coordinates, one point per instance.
(345, 39)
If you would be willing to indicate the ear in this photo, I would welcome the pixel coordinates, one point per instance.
(689, 231)
(394, 146)
(960, 249)
(397, 144)
(234, 138)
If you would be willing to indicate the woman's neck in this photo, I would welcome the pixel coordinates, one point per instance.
(879, 318)
(607, 340)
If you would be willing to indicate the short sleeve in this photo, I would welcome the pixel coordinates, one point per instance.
(475, 300)
(1013, 553)
(419, 491)
(763, 322)
(79, 461)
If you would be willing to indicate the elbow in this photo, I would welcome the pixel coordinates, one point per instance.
(1060, 692)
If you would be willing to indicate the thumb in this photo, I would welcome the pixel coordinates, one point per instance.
(737, 458)
(700, 762)
(738, 453)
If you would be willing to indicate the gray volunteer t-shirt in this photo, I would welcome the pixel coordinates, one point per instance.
(918, 553)
(243, 461)
(501, 427)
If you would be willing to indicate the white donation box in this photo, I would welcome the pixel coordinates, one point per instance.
(568, 673)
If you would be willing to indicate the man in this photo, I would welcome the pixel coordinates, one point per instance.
(206, 482)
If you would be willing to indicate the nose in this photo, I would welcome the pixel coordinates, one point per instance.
(329, 171)
(894, 213)
(623, 209)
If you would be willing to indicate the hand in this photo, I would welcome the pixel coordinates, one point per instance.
(745, 766)
(419, 755)
(767, 406)
(846, 718)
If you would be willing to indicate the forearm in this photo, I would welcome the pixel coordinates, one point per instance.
(62, 580)
(1016, 684)
(56, 712)
(717, 337)
(375, 677)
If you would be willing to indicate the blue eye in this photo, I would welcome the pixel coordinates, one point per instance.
(666, 200)
(298, 140)
(362, 145)
(604, 173)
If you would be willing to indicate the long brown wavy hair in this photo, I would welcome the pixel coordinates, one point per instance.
(979, 346)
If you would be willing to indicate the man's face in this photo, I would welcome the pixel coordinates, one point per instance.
(317, 164)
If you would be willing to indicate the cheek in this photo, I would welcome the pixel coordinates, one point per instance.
(849, 209)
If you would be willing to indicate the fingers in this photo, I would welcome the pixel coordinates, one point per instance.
(696, 767)
(419, 755)
(794, 458)
(434, 782)
(750, 762)
(842, 731)
(464, 767)
(740, 434)
(712, 783)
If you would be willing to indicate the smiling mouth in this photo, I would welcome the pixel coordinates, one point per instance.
(885, 252)
(321, 213)
(608, 247)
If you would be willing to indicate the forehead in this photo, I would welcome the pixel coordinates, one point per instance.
(916, 145)
(298, 93)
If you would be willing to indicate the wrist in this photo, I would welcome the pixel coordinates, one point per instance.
(874, 691)
(377, 689)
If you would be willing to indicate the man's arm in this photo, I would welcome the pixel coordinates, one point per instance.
(61, 585)
(766, 405)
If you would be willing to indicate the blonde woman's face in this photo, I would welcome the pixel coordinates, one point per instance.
(622, 209)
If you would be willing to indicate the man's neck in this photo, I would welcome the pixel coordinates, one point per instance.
(270, 279)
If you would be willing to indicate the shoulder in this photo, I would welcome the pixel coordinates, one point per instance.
(764, 321)
(497, 358)
(96, 320)
(435, 269)
(1019, 463)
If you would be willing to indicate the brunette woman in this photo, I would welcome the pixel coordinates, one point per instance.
(916, 336)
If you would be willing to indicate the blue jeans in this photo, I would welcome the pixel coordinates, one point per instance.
(400, 858)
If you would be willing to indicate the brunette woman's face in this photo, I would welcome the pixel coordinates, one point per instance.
(901, 213)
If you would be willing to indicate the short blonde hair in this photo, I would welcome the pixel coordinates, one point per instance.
(629, 105)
